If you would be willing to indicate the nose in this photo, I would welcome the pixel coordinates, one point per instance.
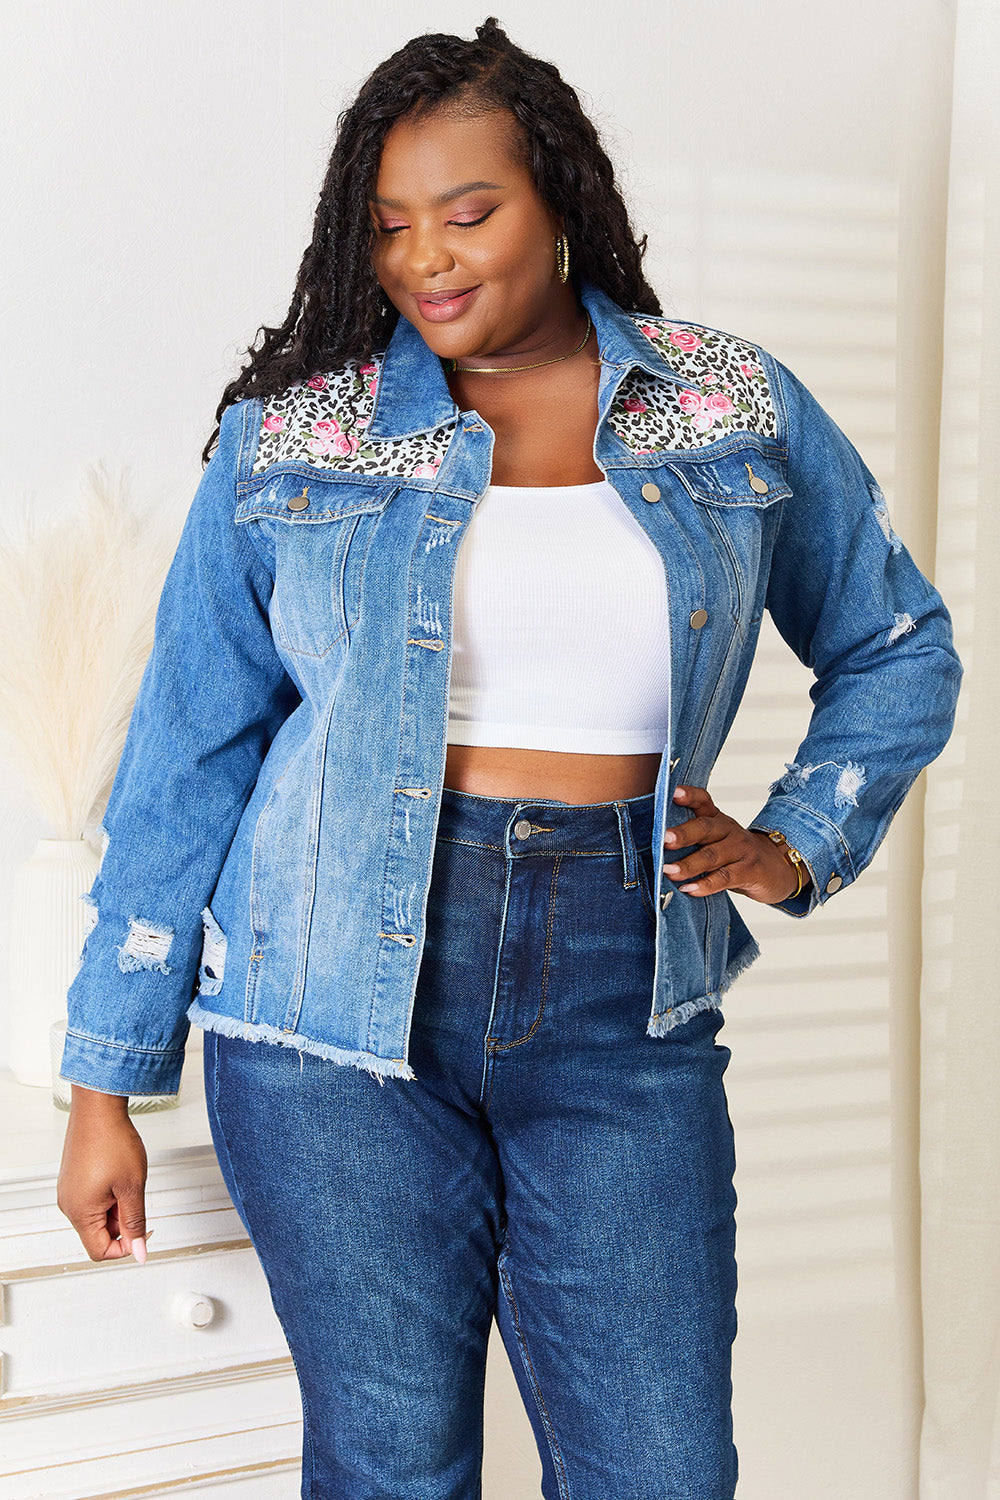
(429, 255)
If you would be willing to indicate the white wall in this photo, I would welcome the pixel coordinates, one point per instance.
(161, 167)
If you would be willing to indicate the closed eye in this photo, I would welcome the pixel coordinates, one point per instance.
(458, 223)
(469, 223)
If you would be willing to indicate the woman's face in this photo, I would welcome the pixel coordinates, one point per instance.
(464, 245)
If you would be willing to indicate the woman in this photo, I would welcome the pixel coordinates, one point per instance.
(462, 613)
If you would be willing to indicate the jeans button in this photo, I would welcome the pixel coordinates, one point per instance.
(522, 828)
(651, 492)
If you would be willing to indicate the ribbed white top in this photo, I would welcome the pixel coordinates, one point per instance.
(561, 630)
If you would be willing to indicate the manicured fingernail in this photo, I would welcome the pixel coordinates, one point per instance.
(139, 1250)
(671, 869)
(686, 887)
(670, 838)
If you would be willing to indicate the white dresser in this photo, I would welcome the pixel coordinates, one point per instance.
(120, 1380)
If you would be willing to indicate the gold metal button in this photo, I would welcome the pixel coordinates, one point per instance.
(759, 486)
(833, 884)
(651, 492)
(698, 619)
(299, 502)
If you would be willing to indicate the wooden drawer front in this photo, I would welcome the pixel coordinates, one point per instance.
(69, 1332)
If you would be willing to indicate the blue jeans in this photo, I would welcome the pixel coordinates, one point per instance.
(551, 1166)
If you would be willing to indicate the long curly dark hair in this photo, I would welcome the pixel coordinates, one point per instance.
(338, 309)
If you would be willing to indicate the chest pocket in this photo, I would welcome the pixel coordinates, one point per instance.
(319, 531)
(737, 494)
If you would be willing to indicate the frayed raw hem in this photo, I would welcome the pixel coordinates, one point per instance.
(379, 1068)
(666, 1020)
(663, 1021)
(132, 963)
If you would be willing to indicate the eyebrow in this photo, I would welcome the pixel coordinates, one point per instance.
(448, 197)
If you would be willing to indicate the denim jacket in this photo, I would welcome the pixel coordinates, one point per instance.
(271, 827)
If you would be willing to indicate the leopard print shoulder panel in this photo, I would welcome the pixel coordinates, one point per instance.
(733, 392)
(322, 421)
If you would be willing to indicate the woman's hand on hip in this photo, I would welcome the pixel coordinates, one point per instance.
(728, 857)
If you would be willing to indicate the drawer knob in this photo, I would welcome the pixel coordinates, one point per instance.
(192, 1310)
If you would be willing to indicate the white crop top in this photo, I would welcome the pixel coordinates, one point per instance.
(561, 635)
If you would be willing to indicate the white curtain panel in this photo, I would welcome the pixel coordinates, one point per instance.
(960, 1002)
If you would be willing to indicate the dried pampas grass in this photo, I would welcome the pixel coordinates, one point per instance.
(78, 598)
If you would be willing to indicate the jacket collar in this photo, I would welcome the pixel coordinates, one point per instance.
(413, 395)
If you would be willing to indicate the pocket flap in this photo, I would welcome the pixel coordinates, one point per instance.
(300, 498)
(742, 477)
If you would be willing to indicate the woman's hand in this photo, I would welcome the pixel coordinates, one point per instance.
(729, 857)
(102, 1179)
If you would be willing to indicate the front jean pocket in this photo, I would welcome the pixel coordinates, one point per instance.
(317, 533)
(308, 610)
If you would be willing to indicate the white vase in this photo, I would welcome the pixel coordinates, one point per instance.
(46, 936)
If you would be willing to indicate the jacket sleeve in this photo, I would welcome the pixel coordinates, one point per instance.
(213, 695)
(849, 600)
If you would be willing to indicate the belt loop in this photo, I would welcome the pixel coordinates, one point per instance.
(629, 861)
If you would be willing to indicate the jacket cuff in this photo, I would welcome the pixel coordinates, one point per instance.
(820, 842)
(111, 1068)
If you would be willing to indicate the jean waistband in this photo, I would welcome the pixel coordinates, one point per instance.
(523, 827)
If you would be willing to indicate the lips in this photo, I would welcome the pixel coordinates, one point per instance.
(444, 303)
(443, 294)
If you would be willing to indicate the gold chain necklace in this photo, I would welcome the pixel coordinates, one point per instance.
(514, 369)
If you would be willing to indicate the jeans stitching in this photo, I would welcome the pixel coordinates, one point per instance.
(627, 845)
(498, 1046)
(529, 1370)
(444, 838)
(560, 853)
(489, 1071)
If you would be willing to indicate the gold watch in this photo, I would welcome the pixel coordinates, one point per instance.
(792, 855)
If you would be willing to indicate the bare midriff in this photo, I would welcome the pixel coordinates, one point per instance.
(558, 775)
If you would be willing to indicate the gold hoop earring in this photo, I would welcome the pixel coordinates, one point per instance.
(562, 257)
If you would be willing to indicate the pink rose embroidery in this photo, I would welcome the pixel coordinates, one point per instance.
(650, 331)
(361, 421)
(683, 338)
(719, 402)
(318, 445)
(325, 429)
(703, 420)
(371, 388)
(709, 378)
(634, 404)
(343, 444)
(316, 383)
(749, 369)
(368, 369)
(689, 401)
(425, 471)
(274, 423)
